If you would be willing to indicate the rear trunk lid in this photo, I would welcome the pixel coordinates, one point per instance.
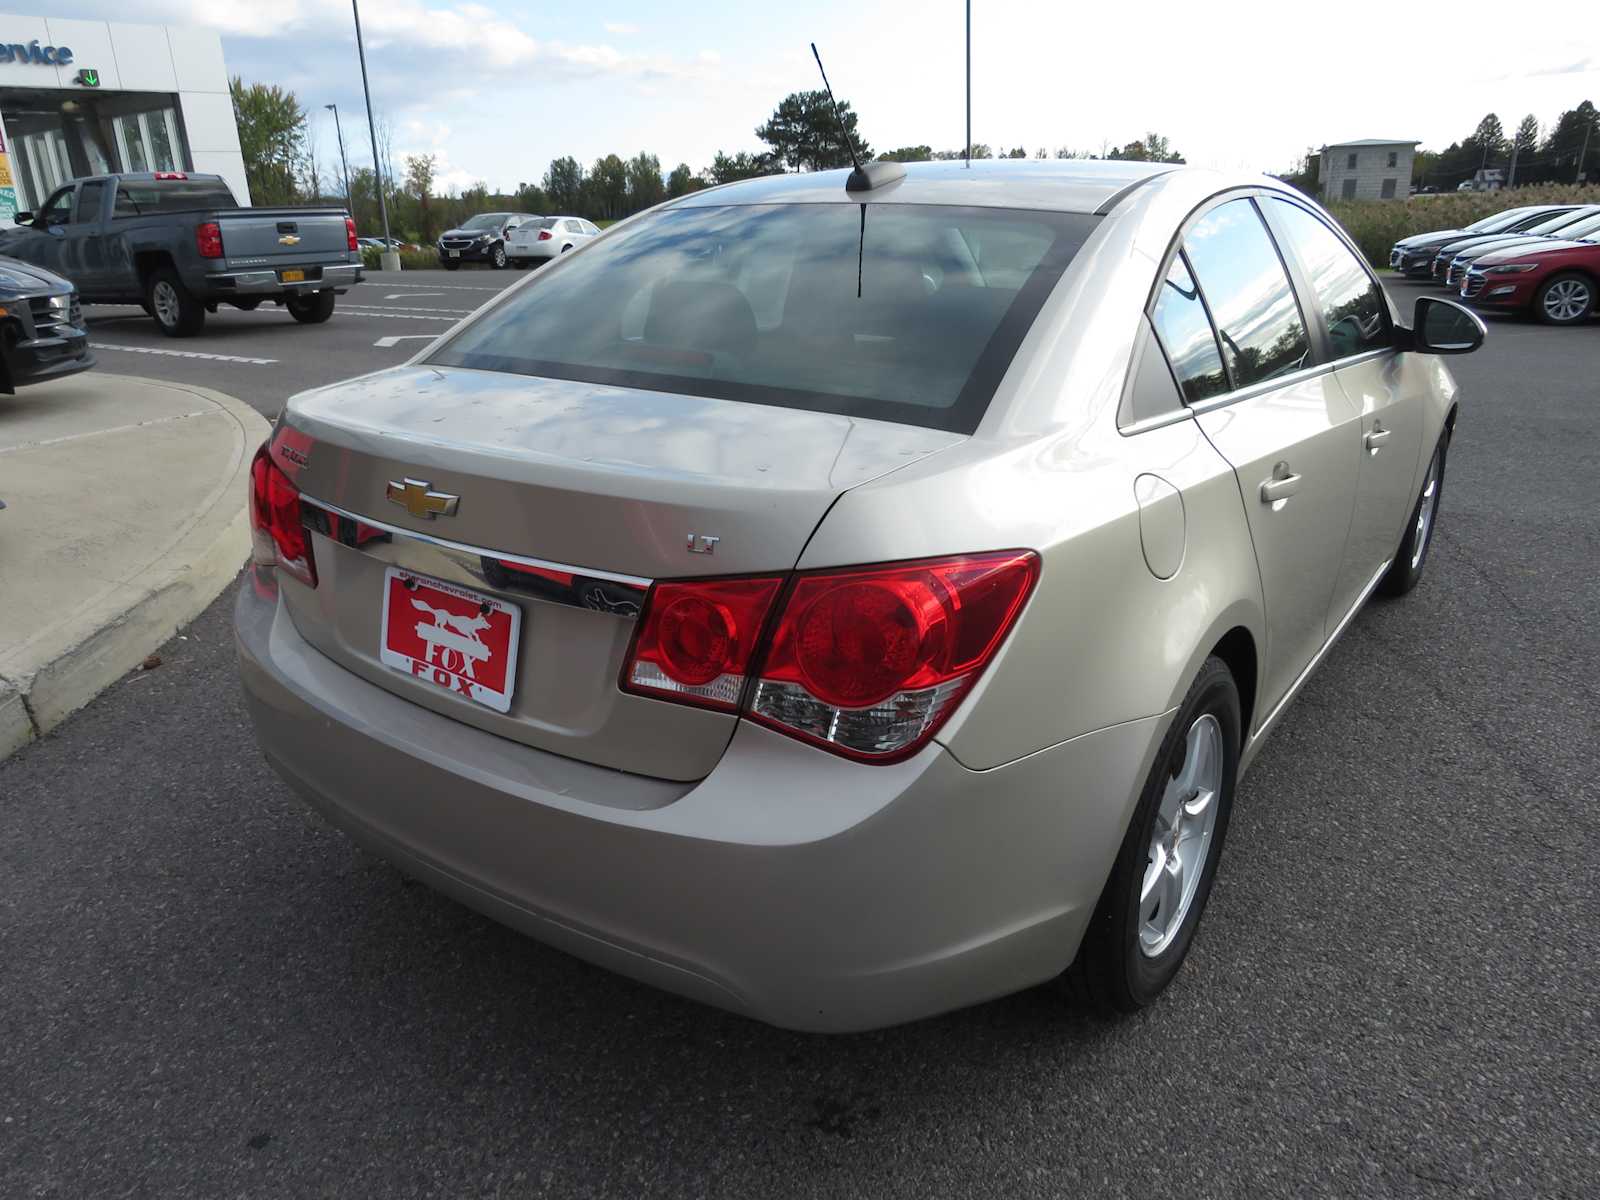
(569, 498)
(254, 237)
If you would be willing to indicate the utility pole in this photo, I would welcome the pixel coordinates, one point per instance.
(1511, 175)
(349, 200)
(969, 83)
(390, 259)
(1584, 152)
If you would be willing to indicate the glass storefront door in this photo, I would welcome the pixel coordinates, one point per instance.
(59, 135)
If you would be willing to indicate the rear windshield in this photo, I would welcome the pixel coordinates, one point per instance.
(538, 223)
(137, 198)
(485, 221)
(906, 313)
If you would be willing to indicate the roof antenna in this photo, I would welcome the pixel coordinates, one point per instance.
(875, 174)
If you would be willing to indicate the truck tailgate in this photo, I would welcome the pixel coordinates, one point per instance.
(252, 237)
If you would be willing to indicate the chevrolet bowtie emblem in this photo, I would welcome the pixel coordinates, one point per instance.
(288, 239)
(419, 499)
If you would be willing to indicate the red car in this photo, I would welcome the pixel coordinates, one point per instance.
(1558, 280)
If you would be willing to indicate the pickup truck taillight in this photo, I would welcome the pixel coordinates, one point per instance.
(350, 233)
(208, 239)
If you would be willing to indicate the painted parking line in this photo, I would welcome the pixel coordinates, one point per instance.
(393, 315)
(440, 287)
(394, 339)
(410, 295)
(165, 353)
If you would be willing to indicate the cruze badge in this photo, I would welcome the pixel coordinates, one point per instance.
(419, 499)
(700, 543)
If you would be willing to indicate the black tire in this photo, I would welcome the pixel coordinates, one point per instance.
(450, 264)
(1112, 972)
(313, 309)
(1573, 307)
(1411, 559)
(175, 311)
(497, 257)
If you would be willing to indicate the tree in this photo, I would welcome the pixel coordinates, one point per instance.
(743, 165)
(645, 188)
(1565, 149)
(682, 181)
(530, 197)
(607, 188)
(1151, 148)
(563, 184)
(1489, 140)
(907, 154)
(804, 132)
(1018, 152)
(272, 132)
(420, 170)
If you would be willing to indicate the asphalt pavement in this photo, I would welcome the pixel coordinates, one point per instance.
(205, 991)
(264, 356)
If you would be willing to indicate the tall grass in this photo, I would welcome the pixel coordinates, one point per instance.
(426, 259)
(1376, 225)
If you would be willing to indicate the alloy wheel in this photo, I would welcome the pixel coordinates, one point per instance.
(1181, 838)
(1426, 510)
(165, 298)
(1566, 299)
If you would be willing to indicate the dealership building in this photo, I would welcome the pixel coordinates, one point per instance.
(89, 97)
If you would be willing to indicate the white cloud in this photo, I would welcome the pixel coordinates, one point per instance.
(620, 28)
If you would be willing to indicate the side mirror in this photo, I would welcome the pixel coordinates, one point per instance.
(1445, 327)
(23, 218)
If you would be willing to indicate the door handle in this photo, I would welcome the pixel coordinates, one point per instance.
(1283, 484)
(1377, 438)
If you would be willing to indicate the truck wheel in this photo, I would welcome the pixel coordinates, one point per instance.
(313, 309)
(177, 313)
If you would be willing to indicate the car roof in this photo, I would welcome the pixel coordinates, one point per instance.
(1062, 185)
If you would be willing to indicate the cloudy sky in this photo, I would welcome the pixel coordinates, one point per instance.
(496, 88)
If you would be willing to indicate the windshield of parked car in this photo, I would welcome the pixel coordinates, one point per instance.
(905, 313)
(1498, 221)
(1564, 221)
(486, 221)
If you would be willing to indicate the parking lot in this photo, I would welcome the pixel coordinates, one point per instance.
(263, 357)
(207, 991)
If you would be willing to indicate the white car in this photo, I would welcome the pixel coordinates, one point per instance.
(546, 237)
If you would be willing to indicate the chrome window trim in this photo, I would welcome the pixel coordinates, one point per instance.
(1289, 380)
(636, 581)
(1159, 421)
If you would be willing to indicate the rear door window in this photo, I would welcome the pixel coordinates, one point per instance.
(1185, 331)
(906, 313)
(1248, 292)
(1353, 308)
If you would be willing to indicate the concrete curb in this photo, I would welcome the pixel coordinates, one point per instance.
(104, 641)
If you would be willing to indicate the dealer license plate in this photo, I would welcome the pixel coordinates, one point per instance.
(456, 639)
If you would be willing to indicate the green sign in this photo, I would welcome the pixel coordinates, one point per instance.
(89, 77)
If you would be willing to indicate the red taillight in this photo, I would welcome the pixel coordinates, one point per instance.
(208, 239)
(867, 662)
(350, 233)
(544, 235)
(696, 640)
(277, 538)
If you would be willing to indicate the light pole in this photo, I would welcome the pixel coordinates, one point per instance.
(390, 259)
(969, 83)
(344, 162)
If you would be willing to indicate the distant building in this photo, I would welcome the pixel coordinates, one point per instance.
(1370, 169)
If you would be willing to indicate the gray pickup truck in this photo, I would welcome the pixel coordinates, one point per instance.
(180, 245)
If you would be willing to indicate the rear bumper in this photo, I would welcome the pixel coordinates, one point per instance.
(259, 283)
(789, 885)
(533, 249)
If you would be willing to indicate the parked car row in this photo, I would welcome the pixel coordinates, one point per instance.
(512, 239)
(1543, 259)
